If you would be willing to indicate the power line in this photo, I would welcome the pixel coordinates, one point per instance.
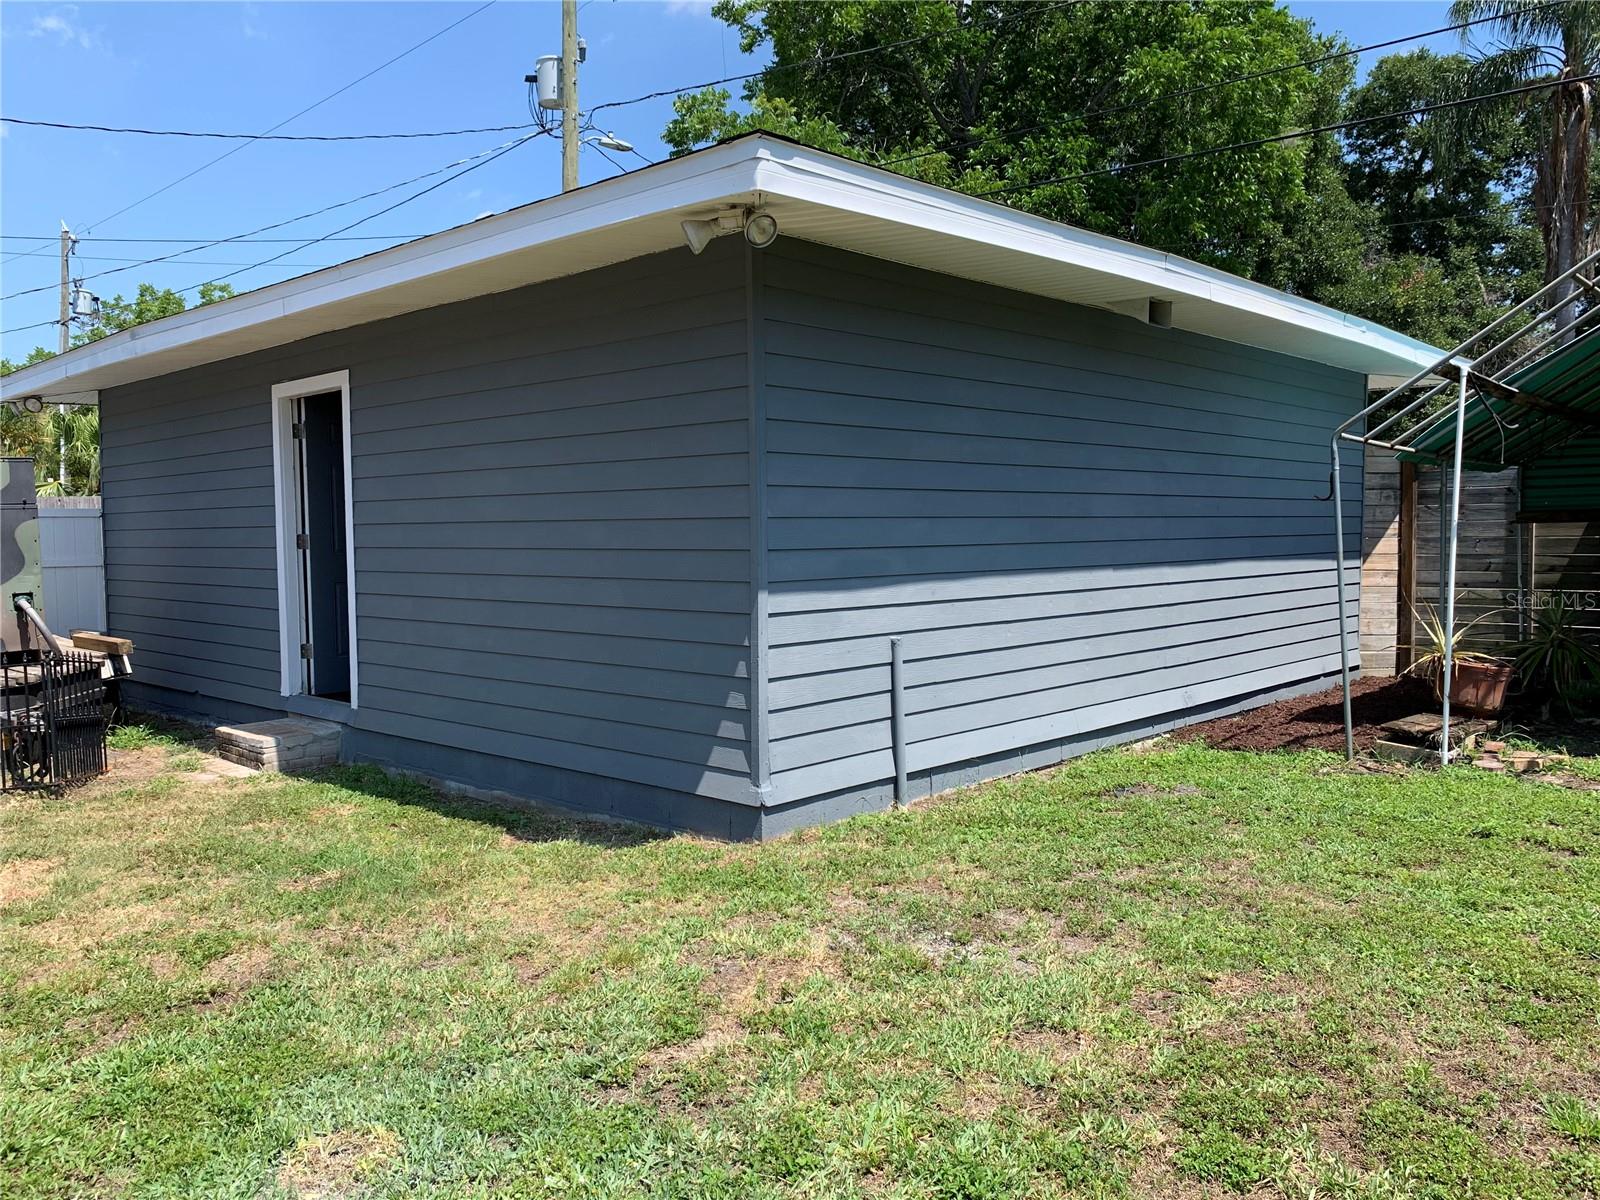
(317, 104)
(500, 152)
(1184, 93)
(1511, 205)
(1040, 9)
(296, 116)
(24, 328)
(199, 262)
(361, 237)
(292, 220)
(267, 137)
(620, 168)
(1288, 137)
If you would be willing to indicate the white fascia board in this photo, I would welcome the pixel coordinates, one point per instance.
(848, 186)
(708, 178)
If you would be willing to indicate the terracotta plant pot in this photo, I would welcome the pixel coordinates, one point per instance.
(1478, 688)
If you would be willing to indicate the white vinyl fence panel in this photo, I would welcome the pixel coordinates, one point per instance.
(73, 553)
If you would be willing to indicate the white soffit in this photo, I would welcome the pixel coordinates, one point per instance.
(815, 196)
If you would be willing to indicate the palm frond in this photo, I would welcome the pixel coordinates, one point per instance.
(1573, 25)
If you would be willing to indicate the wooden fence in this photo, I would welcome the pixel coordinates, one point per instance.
(1505, 568)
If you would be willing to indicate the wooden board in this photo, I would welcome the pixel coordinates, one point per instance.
(104, 644)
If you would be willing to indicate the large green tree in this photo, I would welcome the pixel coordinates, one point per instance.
(1051, 107)
(1034, 103)
(1434, 194)
(1450, 240)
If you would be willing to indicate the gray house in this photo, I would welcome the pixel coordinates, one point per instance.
(550, 504)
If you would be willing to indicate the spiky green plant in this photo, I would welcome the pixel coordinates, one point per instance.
(1427, 659)
(1558, 655)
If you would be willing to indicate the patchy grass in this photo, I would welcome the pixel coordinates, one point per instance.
(1180, 973)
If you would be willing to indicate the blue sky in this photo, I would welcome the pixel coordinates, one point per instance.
(246, 66)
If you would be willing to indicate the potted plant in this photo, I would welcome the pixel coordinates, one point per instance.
(1478, 681)
(1557, 657)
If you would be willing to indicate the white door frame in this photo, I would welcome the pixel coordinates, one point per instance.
(286, 507)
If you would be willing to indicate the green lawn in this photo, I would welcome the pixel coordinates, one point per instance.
(1178, 973)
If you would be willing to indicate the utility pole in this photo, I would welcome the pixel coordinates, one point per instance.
(569, 95)
(66, 284)
(66, 338)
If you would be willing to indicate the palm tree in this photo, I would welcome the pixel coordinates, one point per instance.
(77, 429)
(1557, 43)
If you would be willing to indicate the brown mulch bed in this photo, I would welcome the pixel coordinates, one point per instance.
(1316, 722)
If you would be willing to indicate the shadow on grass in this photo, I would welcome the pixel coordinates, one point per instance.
(142, 729)
(532, 823)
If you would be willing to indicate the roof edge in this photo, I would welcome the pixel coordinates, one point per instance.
(741, 168)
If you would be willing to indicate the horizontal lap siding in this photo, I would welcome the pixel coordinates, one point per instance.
(551, 523)
(191, 564)
(1075, 522)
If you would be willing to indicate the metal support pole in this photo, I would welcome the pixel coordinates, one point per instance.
(1448, 671)
(569, 95)
(1338, 574)
(1522, 591)
(897, 717)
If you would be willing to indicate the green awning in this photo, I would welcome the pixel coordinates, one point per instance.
(1564, 484)
(1562, 406)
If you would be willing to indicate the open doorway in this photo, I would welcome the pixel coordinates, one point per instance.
(311, 452)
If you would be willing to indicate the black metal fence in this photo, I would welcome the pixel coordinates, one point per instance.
(52, 720)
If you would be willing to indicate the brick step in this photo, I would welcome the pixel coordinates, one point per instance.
(287, 744)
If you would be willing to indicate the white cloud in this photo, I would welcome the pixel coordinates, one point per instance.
(247, 23)
(689, 8)
(64, 27)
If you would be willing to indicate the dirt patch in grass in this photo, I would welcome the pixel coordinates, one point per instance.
(129, 768)
(1156, 1005)
(234, 974)
(736, 989)
(1148, 790)
(1316, 722)
(1073, 944)
(25, 879)
(338, 1165)
(313, 882)
(92, 929)
(1057, 1045)
(108, 1031)
(1237, 985)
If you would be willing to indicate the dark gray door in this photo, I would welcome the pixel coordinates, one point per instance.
(323, 562)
